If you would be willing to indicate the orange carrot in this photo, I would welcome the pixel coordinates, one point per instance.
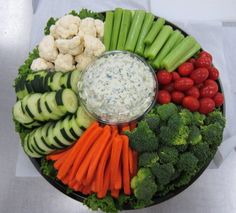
(56, 156)
(115, 193)
(86, 190)
(90, 135)
(118, 183)
(57, 164)
(125, 128)
(104, 141)
(102, 193)
(131, 162)
(125, 163)
(115, 159)
(135, 159)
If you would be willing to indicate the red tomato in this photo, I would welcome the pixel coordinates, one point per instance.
(168, 87)
(199, 75)
(192, 60)
(177, 97)
(175, 76)
(194, 92)
(213, 73)
(206, 105)
(183, 84)
(164, 77)
(200, 86)
(211, 82)
(205, 54)
(208, 91)
(219, 99)
(190, 103)
(185, 69)
(203, 62)
(163, 97)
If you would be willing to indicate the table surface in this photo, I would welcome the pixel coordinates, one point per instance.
(214, 191)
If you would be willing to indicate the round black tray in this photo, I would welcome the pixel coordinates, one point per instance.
(80, 197)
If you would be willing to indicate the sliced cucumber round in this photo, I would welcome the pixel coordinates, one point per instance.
(83, 119)
(19, 115)
(74, 79)
(52, 104)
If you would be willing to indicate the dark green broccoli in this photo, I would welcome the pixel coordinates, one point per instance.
(148, 159)
(163, 173)
(176, 132)
(187, 162)
(185, 178)
(198, 119)
(182, 148)
(215, 117)
(186, 116)
(153, 121)
(195, 136)
(212, 134)
(142, 138)
(168, 154)
(166, 110)
(143, 184)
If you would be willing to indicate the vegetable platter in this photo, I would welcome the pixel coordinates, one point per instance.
(118, 110)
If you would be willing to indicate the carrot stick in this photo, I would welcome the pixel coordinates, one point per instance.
(57, 164)
(58, 155)
(131, 162)
(135, 159)
(125, 163)
(115, 193)
(90, 135)
(115, 159)
(125, 128)
(118, 183)
(105, 140)
(86, 190)
(102, 193)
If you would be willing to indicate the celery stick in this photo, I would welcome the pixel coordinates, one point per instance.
(179, 40)
(176, 54)
(135, 29)
(108, 29)
(187, 56)
(116, 28)
(124, 29)
(159, 41)
(155, 29)
(148, 20)
(172, 40)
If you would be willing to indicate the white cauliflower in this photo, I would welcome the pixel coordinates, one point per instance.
(72, 46)
(65, 27)
(83, 61)
(41, 64)
(64, 63)
(93, 46)
(87, 27)
(99, 28)
(47, 48)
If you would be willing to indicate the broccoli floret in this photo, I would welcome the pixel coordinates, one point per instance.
(185, 178)
(212, 134)
(153, 121)
(195, 136)
(216, 117)
(168, 154)
(202, 152)
(148, 159)
(144, 185)
(176, 132)
(186, 116)
(198, 119)
(187, 162)
(182, 148)
(142, 138)
(163, 172)
(166, 110)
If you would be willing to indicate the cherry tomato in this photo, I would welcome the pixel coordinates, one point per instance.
(205, 54)
(199, 86)
(190, 103)
(208, 91)
(163, 97)
(175, 76)
(203, 62)
(207, 105)
(168, 87)
(164, 77)
(213, 73)
(199, 75)
(185, 69)
(219, 99)
(194, 92)
(211, 82)
(192, 60)
(177, 97)
(183, 84)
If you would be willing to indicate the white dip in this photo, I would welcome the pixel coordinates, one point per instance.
(118, 87)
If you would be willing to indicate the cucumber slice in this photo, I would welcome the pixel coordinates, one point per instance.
(74, 128)
(83, 119)
(63, 80)
(55, 79)
(65, 129)
(68, 99)
(52, 105)
(75, 76)
(58, 137)
(44, 137)
(32, 107)
(19, 115)
(29, 152)
(51, 140)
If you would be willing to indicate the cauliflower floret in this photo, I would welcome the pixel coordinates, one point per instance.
(64, 63)
(99, 28)
(47, 48)
(72, 46)
(93, 46)
(41, 64)
(87, 27)
(66, 27)
(83, 61)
